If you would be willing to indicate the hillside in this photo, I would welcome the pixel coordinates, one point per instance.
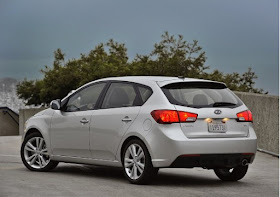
(8, 96)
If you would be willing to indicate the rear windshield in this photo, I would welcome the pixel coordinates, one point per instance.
(201, 95)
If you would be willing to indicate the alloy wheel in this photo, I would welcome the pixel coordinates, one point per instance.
(134, 161)
(36, 153)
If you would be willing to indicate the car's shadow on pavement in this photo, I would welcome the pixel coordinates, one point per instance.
(101, 172)
(162, 179)
(171, 179)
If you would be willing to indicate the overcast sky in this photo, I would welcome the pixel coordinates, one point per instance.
(235, 34)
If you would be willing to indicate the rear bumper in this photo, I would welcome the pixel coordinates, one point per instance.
(211, 161)
(167, 143)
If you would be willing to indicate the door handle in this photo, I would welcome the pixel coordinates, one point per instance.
(84, 121)
(126, 119)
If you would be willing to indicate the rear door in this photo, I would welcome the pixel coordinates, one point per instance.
(119, 109)
(216, 108)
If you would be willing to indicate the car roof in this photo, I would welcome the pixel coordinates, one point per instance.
(160, 80)
(145, 80)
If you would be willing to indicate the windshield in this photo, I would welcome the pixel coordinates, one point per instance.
(201, 95)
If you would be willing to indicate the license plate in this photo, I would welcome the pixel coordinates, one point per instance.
(217, 127)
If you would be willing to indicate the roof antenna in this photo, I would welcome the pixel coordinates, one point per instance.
(181, 77)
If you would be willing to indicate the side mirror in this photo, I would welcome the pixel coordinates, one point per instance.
(55, 104)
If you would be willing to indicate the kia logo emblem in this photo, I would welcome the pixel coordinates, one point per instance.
(217, 111)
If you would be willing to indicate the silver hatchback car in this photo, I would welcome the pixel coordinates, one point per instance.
(142, 124)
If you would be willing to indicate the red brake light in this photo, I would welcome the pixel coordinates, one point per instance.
(172, 116)
(165, 116)
(245, 116)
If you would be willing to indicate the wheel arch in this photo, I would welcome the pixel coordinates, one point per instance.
(129, 138)
(32, 130)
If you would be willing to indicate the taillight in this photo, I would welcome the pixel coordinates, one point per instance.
(165, 116)
(172, 116)
(187, 117)
(245, 116)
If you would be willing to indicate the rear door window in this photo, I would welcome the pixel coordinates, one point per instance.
(120, 95)
(201, 94)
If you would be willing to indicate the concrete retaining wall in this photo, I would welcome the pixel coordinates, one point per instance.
(8, 122)
(265, 110)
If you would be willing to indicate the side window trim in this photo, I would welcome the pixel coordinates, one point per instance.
(65, 104)
(101, 98)
(102, 95)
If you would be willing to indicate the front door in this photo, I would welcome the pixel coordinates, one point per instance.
(69, 131)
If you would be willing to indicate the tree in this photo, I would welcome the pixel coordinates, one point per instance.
(170, 57)
(30, 91)
(235, 81)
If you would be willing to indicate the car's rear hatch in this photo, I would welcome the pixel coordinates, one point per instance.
(209, 124)
(216, 108)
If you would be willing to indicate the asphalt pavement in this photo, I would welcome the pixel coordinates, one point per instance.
(67, 180)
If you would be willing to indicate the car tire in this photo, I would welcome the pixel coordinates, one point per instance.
(35, 155)
(234, 174)
(138, 169)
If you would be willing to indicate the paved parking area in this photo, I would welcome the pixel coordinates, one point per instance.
(262, 179)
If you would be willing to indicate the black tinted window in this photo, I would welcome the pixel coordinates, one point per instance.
(85, 99)
(145, 93)
(201, 94)
(120, 95)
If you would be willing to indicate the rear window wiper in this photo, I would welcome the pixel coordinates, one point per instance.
(218, 104)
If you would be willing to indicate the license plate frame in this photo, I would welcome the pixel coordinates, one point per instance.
(217, 127)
